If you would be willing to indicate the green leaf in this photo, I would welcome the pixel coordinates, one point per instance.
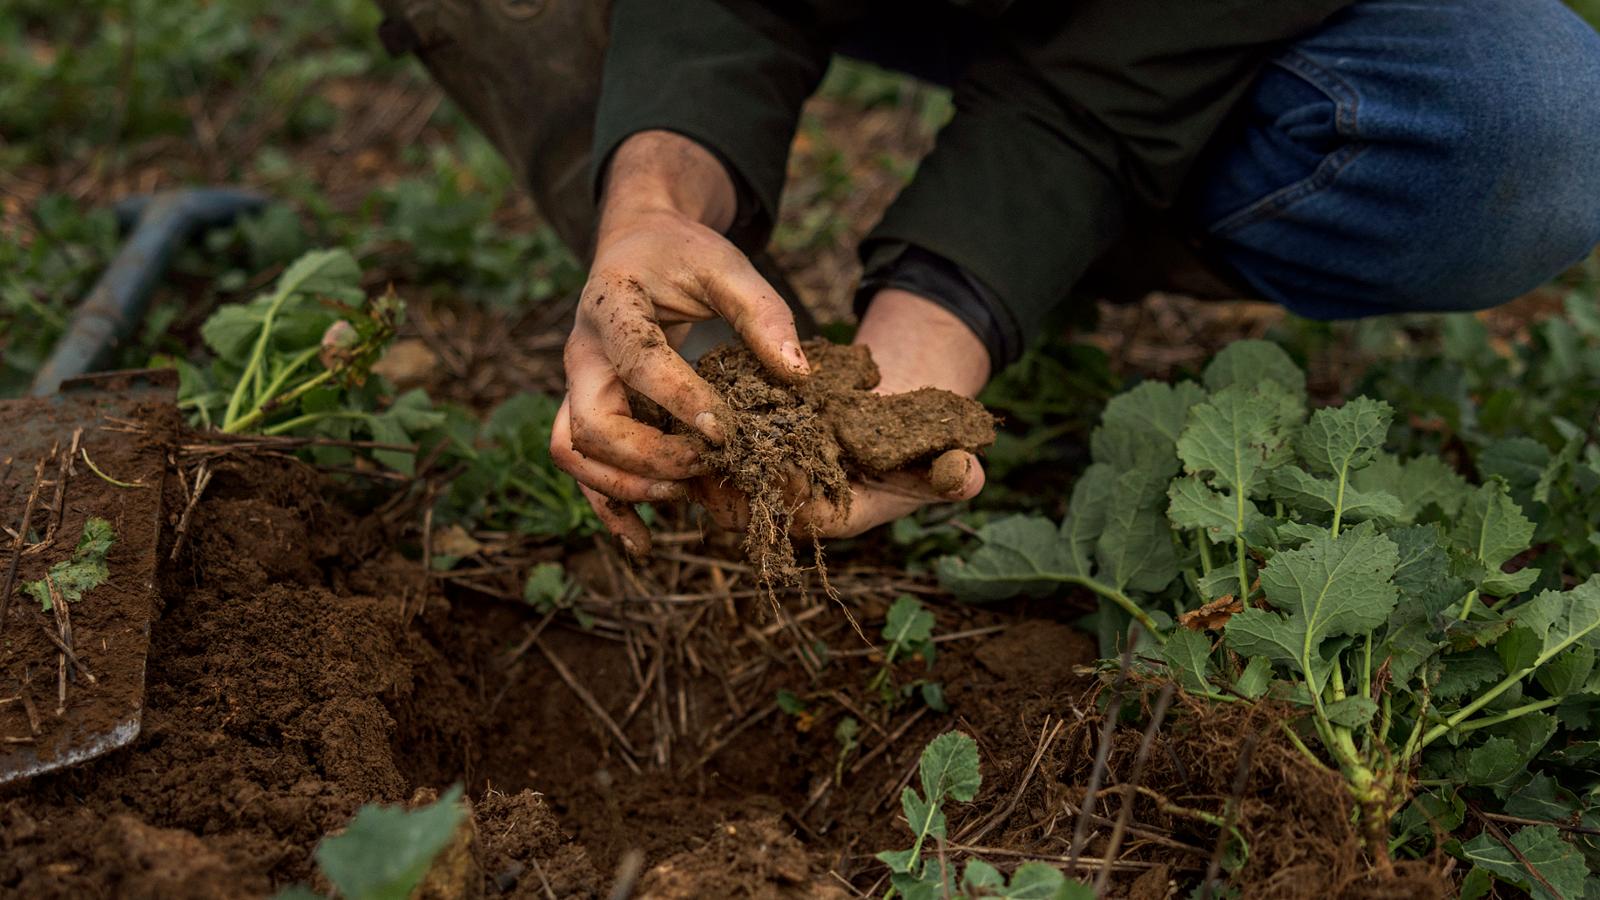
(1235, 438)
(386, 851)
(1558, 863)
(83, 572)
(949, 768)
(1339, 440)
(1252, 363)
(1035, 881)
(1086, 517)
(924, 817)
(546, 586)
(1140, 428)
(1303, 491)
(1328, 588)
(1188, 657)
(1351, 712)
(1492, 529)
(1568, 672)
(1543, 798)
(1220, 516)
(1017, 555)
(980, 874)
(1134, 550)
(1561, 619)
(1519, 460)
(1462, 675)
(907, 626)
(1255, 679)
(1421, 483)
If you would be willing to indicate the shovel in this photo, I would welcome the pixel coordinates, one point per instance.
(74, 615)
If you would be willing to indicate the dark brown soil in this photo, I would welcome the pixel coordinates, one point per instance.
(292, 679)
(791, 444)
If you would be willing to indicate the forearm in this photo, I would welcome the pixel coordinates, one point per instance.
(664, 172)
(918, 343)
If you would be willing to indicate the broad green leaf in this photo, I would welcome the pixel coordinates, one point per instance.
(1464, 674)
(1086, 516)
(1140, 428)
(1255, 679)
(1303, 491)
(1519, 460)
(899, 861)
(1420, 483)
(1492, 529)
(1339, 440)
(1560, 620)
(1423, 575)
(1493, 762)
(1236, 437)
(949, 768)
(546, 586)
(1134, 550)
(1017, 555)
(1568, 672)
(1188, 657)
(1329, 587)
(1558, 863)
(1252, 363)
(1543, 798)
(1351, 712)
(1221, 516)
(83, 572)
(1560, 469)
(386, 851)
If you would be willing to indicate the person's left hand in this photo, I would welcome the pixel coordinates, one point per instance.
(916, 343)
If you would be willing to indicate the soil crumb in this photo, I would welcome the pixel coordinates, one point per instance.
(792, 444)
(756, 858)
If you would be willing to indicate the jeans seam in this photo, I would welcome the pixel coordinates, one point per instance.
(1346, 104)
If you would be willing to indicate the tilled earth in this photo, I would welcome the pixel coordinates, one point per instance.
(293, 678)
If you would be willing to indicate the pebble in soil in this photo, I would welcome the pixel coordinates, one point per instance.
(792, 443)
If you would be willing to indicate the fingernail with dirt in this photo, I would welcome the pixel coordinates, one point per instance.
(629, 546)
(706, 423)
(791, 353)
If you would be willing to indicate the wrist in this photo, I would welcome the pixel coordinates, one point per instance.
(918, 343)
(661, 172)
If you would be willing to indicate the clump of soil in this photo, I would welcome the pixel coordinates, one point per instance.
(790, 444)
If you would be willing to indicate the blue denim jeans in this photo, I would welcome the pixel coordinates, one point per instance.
(1412, 156)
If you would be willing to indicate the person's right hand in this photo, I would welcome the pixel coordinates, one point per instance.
(660, 264)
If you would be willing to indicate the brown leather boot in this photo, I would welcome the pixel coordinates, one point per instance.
(527, 73)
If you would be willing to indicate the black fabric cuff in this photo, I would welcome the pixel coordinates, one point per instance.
(896, 264)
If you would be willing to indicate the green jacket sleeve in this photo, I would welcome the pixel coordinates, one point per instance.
(1074, 113)
(730, 75)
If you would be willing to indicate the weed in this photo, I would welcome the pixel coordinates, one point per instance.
(907, 634)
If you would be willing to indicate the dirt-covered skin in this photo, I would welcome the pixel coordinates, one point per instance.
(796, 443)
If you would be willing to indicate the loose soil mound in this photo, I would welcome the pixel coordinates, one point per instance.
(789, 444)
(293, 678)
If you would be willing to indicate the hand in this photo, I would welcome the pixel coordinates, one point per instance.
(660, 263)
(916, 343)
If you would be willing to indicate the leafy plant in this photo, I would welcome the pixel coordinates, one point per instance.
(907, 633)
(83, 572)
(1384, 596)
(948, 771)
(386, 851)
(507, 481)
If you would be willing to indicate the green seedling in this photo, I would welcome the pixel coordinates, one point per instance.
(907, 633)
(949, 771)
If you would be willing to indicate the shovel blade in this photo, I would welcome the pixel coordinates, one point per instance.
(103, 441)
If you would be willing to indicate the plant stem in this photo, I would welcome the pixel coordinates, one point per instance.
(1466, 605)
(289, 425)
(1120, 599)
(1205, 552)
(252, 368)
(1366, 668)
(248, 421)
(1338, 501)
(1508, 715)
(1244, 573)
